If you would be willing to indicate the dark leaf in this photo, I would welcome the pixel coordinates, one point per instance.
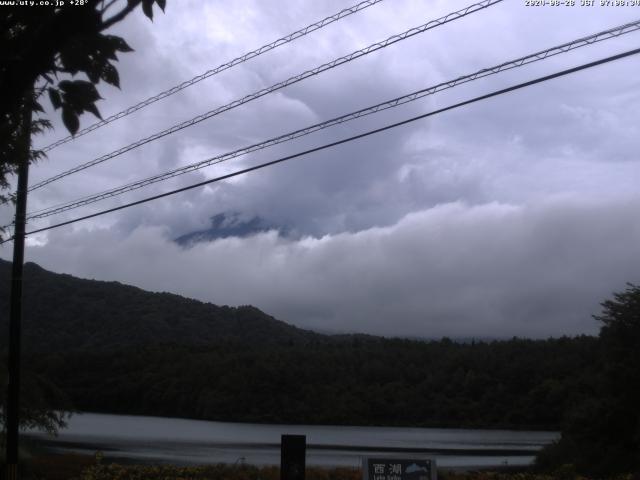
(66, 86)
(70, 119)
(36, 107)
(105, 48)
(74, 56)
(35, 155)
(112, 55)
(54, 96)
(109, 52)
(162, 4)
(110, 75)
(93, 72)
(79, 92)
(147, 8)
(93, 109)
(40, 125)
(118, 43)
(89, 91)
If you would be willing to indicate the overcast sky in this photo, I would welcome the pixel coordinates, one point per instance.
(514, 216)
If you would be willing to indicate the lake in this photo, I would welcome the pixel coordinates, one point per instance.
(189, 442)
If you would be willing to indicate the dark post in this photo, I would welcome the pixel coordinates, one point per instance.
(15, 318)
(293, 457)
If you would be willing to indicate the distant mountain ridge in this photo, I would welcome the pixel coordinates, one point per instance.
(224, 225)
(62, 312)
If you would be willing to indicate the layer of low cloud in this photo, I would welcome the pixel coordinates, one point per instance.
(490, 270)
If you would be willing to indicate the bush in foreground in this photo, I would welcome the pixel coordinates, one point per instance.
(601, 435)
(217, 472)
(230, 472)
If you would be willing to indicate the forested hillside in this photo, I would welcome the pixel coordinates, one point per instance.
(514, 383)
(62, 312)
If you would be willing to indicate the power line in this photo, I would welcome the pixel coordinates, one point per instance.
(220, 68)
(290, 81)
(345, 140)
(534, 57)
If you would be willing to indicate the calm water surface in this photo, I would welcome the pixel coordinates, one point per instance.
(188, 442)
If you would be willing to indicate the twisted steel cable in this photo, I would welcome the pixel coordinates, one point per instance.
(495, 93)
(220, 68)
(534, 57)
(265, 91)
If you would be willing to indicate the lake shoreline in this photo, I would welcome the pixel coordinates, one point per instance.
(194, 442)
(49, 444)
(442, 425)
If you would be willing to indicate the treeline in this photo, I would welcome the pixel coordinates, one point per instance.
(351, 380)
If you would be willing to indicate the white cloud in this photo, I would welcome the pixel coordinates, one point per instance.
(454, 269)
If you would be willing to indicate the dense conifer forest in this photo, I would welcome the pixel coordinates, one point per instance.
(515, 384)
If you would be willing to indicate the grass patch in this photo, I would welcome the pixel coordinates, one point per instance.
(85, 467)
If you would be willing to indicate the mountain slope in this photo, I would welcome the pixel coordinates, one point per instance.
(62, 312)
(226, 225)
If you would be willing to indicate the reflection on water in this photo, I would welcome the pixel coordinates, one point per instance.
(180, 441)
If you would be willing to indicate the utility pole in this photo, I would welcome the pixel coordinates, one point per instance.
(15, 318)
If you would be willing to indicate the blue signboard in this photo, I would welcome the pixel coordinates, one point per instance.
(387, 468)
